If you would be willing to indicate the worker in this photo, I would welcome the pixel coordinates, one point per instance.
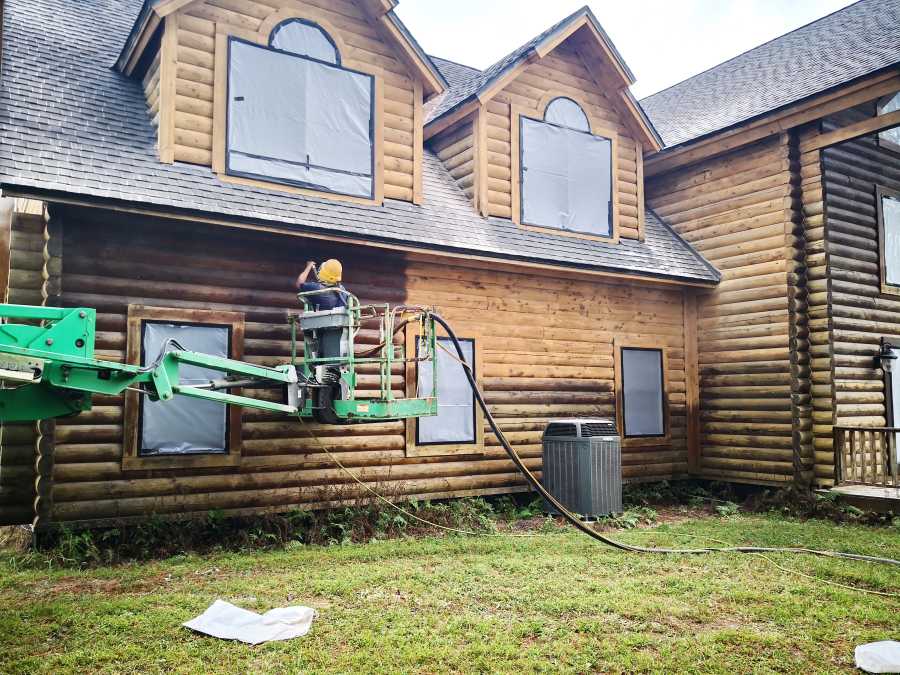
(328, 277)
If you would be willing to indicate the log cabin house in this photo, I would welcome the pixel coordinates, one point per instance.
(712, 267)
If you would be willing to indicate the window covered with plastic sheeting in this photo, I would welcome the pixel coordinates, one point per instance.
(890, 137)
(889, 220)
(304, 39)
(186, 426)
(566, 179)
(643, 395)
(455, 421)
(299, 121)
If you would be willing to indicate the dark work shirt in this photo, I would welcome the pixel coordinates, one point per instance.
(324, 301)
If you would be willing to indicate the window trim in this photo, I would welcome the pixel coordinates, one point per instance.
(298, 184)
(642, 345)
(220, 105)
(413, 447)
(880, 193)
(882, 143)
(132, 460)
(597, 129)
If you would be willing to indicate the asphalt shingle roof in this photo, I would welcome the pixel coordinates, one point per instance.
(850, 43)
(69, 124)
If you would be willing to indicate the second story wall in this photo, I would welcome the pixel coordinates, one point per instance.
(191, 46)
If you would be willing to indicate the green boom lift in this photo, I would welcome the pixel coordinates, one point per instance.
(48, 369)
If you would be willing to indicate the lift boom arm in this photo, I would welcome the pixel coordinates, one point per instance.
(48, 370)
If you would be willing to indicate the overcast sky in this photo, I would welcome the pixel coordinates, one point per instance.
(663, 41)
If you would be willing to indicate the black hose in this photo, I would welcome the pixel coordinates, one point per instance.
(591, 532)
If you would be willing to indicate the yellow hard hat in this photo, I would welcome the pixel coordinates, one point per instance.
(331, 272)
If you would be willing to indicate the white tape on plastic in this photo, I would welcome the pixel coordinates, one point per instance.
(229, 622)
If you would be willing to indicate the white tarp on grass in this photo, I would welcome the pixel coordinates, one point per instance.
(228, 622)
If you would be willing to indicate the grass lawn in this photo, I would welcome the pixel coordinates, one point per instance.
(556, 602)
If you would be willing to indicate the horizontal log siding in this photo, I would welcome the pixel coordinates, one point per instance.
(562, 71)
(110, 264)
(547, 351)
(151, 89)
(196, 76)
(737, 210)
(860, 314)
(17, 442)
(820, 361)
(546, 346)
(455, 147)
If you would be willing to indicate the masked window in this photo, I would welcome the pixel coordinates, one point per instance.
(889, 219)
(566, 172)
(455, 421)
(298, 120)
(643, 398)
(890, 137)
(186, 426)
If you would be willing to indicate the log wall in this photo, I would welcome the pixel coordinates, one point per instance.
(195, 77)
(18, 441)
(740, 211)
(455, 147)
(859, 314)
(818, 279)
(546, 344)
(547, 351)
(151, 86)
(563, 72)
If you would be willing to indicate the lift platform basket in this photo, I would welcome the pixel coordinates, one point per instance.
(583, 466)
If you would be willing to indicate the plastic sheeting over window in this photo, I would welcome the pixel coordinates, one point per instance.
(565, 112)
(186, 426)
(885, 106)
(642, 392)
(300, 122)
(455, 421)
(304, 39)
(890, 216)
(566, 178)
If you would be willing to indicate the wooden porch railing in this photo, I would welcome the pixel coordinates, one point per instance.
(866, 456)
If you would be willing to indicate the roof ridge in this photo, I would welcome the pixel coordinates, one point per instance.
(752, 49)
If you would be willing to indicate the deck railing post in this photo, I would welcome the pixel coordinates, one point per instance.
(866, 456)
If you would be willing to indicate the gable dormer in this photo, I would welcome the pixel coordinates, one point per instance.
(317, 98)
(550, 136)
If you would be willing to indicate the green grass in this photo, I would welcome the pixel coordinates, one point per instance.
(556, 602)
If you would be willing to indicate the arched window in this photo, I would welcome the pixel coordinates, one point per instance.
(296, 116)
(566, 180)
(890, 137)
(304, 39)
(566, 113)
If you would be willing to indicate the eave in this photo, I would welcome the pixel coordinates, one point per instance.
(780, 120)
(517, 263)
(585, 24)
(380, 11)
